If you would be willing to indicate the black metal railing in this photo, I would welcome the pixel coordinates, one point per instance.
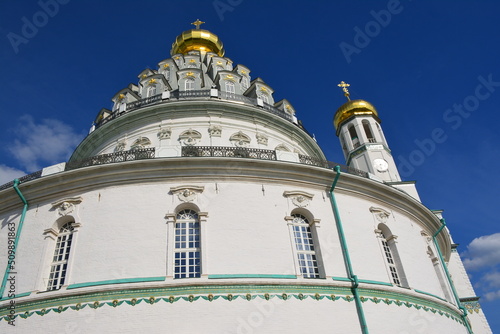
(193, 94)
(138, 154)
(23, 179)
(305, 159)
(229, 152)
(143, 102)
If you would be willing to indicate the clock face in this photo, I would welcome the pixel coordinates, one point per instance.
(380, 165)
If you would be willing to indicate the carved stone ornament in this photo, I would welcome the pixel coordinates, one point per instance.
(300, 199)
(215, 130)
(380, 214)
(187, 193)
(120, 147)
(240, 139)
(67, 205)
(190, 137)
(262, 139)
(164, 133)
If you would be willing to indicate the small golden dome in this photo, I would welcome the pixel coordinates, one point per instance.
(351, 108)
(197, 39)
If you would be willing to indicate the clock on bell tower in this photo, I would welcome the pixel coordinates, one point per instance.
(363, 142)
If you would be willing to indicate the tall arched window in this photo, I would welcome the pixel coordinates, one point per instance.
(59, 265)
(354, 135)
(304, 245)
(189, 84)
(230, 87)
(394, 265)
(187, 250)
(368, 131)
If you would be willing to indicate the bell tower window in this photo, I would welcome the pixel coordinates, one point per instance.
(354, 136)
(368, 131)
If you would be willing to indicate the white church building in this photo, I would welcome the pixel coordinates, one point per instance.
(199, 204)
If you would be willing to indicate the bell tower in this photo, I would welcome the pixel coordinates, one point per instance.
(363, 142)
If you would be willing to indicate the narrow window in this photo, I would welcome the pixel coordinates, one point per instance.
(59, 264)
(394, 265)
(354, 135)
(189, 84)
(230, 88)
(187, 259)
(167, 74)
(264, 98)
(390, 261)
(244, 83)
(368, 131)
(304, 244)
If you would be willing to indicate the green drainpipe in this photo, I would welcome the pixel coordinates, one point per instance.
(347, 259)
(18, 233)
(455, 294)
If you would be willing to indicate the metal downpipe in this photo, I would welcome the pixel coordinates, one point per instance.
(18, 233)
(347, 259)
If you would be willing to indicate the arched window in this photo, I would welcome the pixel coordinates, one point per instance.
(304, 246)
(230, 87)
(439, 273)
(354, 135)
(187, 250)
(151, 91)
(368, 131)
(59, 265)
(189, 84)
(244, 83)
(394, 266)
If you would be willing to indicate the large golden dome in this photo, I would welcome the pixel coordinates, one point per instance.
(197, 39)
(351, 108)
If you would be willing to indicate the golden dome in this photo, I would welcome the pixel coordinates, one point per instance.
(351, 108)
(197, 39)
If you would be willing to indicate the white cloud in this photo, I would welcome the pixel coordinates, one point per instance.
(8, 174)
(492, 279)
(482, 252)
(490, 296)
(40, 144)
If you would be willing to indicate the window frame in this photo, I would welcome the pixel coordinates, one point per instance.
(299, 219)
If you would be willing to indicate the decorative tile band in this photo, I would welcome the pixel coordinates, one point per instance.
(224, 292)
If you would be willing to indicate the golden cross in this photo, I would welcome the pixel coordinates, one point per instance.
(344, 88)
(197, 23)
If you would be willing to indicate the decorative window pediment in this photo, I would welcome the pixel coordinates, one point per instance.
(190, 137)
(141, 142)
(240, 139)
(67, 205)
(300, 199)
(187, 193)
(380, 214)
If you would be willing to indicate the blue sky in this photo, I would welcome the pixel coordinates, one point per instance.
(429, 67)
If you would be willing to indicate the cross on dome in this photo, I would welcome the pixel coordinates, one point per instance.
(344, 86)
(197, 23)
